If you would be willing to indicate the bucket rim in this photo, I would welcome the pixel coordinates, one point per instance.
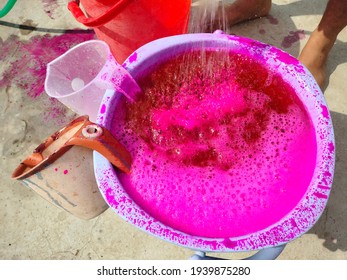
(291, 226)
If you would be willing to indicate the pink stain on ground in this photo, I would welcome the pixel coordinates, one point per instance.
(50, 7)
(65, 172)
(28, 59)
(272, 19)
(293, 37)
(55, 110)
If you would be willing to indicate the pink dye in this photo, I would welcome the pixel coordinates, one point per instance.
(325, 112)
(28, 59)
(331, 147)
(133, 57)
(320, 195)
(103, 109)
(272, 19)
(65, 172)
(221, 146)
(293, 37)
(50, 7)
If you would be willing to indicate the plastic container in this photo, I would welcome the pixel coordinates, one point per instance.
(126, 25)
(80, 77)
(61, 168)
(307, 211)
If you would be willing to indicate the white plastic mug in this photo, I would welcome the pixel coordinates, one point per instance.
(80, 77)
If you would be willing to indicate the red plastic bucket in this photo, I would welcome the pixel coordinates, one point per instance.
(126, 25)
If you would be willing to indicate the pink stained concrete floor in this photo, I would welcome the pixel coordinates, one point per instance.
(31, 228)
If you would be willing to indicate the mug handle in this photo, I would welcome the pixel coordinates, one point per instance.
(99, 139)
(76, 11)
(88, 135)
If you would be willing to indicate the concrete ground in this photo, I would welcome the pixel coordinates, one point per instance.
(32, 228)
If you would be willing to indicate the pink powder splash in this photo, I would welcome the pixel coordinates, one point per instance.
(293, 37)
(55, 110)
(66, 171)
(103, 109)
(325, 111)
(331, 147)
(272, 19)
(133, 57)
(28, 59)
(50, 7)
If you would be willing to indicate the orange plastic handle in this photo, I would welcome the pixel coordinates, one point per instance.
(76, 11)
(89, 135)
(101, 140)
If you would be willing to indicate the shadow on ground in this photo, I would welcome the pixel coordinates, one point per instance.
(338, 56)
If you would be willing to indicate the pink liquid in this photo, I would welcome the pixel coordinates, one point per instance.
(222, 147)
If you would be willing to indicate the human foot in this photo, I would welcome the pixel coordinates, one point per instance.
(242, 10)
(315, 53)
(210, 15)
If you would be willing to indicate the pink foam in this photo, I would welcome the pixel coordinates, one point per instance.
(248, 165)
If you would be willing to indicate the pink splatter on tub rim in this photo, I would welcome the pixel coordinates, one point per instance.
(312, 204)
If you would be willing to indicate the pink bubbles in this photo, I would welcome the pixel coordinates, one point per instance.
(216, 153)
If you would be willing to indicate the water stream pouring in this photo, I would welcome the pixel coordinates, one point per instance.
(80, 77)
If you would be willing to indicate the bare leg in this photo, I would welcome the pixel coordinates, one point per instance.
(242, 10)
(216, 14)
(315, 53)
